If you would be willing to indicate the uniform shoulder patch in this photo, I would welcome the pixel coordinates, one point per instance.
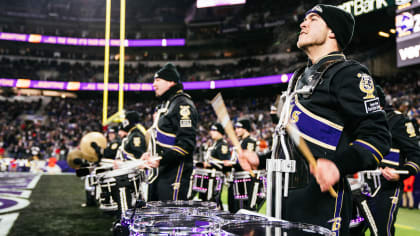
(366, 85)
(372, 105)
(136, 141)
(250, 146)
(114, 146)
(224, 149)
(184, 111)
(410, 129)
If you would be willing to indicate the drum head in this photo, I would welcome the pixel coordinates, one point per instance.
(175, 225)
(278, 228)
(129, 217)
(237, 218)
(182, 204)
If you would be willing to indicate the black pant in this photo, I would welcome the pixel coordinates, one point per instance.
(310, 205)
(384, 207)
(164, 187)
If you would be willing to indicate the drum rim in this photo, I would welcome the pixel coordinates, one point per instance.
(247, 174)
(310, 228)
(137, 227)
(208, 171)
(120, 172)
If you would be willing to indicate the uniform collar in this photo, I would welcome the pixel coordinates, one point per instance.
(330, 56)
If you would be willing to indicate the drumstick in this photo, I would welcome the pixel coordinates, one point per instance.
(221, 162)
(222, 115)
(292, 130)
(135, 163)
(378, 172)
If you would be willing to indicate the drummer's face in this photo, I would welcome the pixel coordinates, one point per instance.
(239, 131)
(122, 133)
(161, 86)
(215, 135)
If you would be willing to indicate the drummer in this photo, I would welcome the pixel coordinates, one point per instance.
(134, 145)
(243, 128)
(218, 155)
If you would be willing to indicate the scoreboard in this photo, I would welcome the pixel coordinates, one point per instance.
(407, 24)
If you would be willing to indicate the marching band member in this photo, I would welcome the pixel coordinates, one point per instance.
(176, 131)
(404, 156)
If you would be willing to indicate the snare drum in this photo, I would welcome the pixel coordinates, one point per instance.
(247, 188)
(272, 228)
(175, 225)
(208, 182)
(120, 188)
(191, 207)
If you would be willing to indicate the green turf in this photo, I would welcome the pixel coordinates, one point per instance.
(55, 210)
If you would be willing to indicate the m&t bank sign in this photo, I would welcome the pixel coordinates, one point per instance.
(359, 7)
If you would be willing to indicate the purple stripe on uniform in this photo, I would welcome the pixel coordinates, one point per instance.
(393, 156)
(393, 208)
(414, 165)
(316, 129)
(165, 139)
(178, 178)
(373, 151)
(180, 150)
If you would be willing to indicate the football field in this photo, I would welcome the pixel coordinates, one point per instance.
(55, 209)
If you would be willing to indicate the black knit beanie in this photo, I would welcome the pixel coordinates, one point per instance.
(339, 21)
(244, 123)
(168, 73)
(131, 119)
(218, 127)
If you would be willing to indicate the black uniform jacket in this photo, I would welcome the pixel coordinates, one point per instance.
(219, 152)
(111, 149)
(341, 119)
(176, 132)
(405, 151)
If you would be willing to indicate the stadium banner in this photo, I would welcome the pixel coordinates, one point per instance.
(198, 85)
(37, 38)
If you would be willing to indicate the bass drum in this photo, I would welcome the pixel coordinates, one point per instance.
(273, 228)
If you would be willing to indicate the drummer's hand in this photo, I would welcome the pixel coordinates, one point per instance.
(145, 156)
(389, 174)
(206, 164)
(153, 163)
(227, 163)
(116, 164)
(326, 174)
